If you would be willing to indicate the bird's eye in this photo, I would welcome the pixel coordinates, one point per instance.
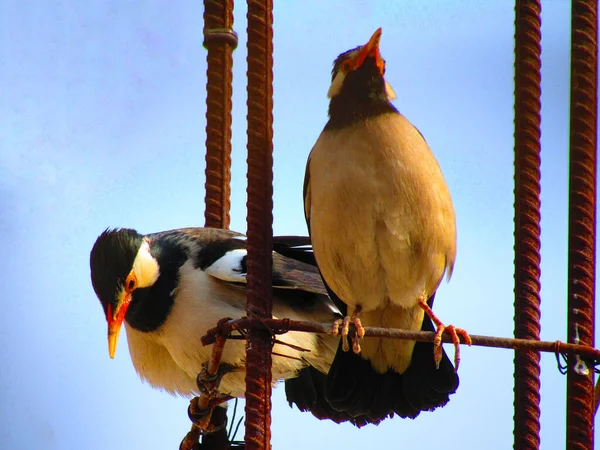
(346, 66)
(130, 283)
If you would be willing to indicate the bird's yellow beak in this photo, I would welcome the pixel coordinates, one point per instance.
(371, 48)
(115, 320)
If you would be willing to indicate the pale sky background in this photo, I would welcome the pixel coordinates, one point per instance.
(102, 123)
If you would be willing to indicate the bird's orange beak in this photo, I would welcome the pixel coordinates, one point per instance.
(115, 320)
(371, 48)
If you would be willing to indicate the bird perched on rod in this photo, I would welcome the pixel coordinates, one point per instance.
(170, 288)
(382, 226)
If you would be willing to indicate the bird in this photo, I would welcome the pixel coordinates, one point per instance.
(383, 231)
(169, 288)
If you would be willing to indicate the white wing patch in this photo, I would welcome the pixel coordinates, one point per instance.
(229, 267)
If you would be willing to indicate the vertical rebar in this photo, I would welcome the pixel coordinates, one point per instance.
(260, 220)
(220, 41)
(527, 220)
(582, 219)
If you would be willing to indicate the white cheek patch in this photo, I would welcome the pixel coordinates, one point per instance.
(389, 91)
(145, 267)
(336, 85)
(229, 267)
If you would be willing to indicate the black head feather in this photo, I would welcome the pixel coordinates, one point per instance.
(111, 260)
(337, 64)
(363, 93)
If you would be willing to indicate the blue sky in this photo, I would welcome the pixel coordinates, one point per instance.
(102, 124)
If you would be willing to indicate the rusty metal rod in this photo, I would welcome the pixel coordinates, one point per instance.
(260, 221)
(220, 40)
(527, 221)
(582, 219)
(278, 326)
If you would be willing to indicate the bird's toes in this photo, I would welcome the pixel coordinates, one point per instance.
(360, 330)
(345, 345)
(437, 346)
(465, 335)
(345, 331)
(356, 344)
(335, 327)
(455, 333)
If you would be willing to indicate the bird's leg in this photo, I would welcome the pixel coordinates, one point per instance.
(451, 329)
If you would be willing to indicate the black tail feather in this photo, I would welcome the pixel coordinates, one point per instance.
(306, 392)
(353, 387)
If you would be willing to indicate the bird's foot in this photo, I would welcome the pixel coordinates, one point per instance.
(200, 415)
(345, 331)
(454, 333)
(208, 384)
(441, 328)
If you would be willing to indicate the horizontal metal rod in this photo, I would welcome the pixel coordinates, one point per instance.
(279, 326)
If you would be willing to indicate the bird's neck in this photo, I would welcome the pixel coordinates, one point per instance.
(351, 107)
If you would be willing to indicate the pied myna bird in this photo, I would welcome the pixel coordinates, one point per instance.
(382, 226)
(169, 288)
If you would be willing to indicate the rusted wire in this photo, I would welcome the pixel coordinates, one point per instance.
(582, 219)
(260, 221)
(280, 326)
(527, 220)
(220, 40)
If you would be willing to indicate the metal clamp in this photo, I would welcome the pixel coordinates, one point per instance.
(220, 35)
